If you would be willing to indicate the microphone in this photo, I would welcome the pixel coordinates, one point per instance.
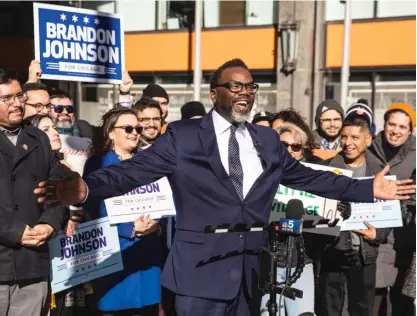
(292, 224)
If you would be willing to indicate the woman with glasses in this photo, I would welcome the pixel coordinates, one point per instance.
(135, 290)
(296, 141)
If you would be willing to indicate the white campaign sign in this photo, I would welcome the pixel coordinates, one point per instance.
(314, 205)
(76, 151)
(154, 199)
(92, 252)
(380, 214)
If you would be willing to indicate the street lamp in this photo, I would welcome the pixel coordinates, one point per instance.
(289, 46)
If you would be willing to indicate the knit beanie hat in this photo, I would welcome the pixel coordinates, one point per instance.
(155, 91)
(325, 106)
(191, 109)
(360, 110)
(262, 116)
(408, 109)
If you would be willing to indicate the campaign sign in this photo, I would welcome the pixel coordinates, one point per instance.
(92, 252)
(315, 207)
(154, 199)
(78, 44)
(380, 214)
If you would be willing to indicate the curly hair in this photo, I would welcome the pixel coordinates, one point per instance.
(101, 142)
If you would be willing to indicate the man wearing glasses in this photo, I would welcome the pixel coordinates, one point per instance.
(149, 114)
(222, 170)
(329, 117)
(25, 225)
(37, 99)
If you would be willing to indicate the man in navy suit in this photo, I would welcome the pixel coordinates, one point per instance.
(221, 170)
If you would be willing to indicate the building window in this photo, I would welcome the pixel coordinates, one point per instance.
(175, 14)
(395, 8)
(236, 13)
(335, 10)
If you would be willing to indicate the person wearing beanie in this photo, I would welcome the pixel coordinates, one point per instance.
(396, 146)
(159, 94)
(192, 110)
(328, 119)
(359, 110)
(263, 118)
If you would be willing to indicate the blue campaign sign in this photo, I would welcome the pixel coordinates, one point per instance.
(92, 252)
(78, 44)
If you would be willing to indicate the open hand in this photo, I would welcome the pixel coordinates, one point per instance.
(69, 191)
(145, 225)
(385, 189)
(369, 233)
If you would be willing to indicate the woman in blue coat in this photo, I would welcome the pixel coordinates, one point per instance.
(136, 289)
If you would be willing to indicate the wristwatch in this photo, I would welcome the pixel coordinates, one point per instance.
(124, 93)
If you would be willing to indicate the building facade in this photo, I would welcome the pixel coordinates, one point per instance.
(159, 44)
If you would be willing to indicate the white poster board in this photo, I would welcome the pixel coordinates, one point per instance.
(76, 151)
(154, 199)
(380, 214)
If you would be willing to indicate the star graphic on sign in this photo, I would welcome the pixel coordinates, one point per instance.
(86, 20)
(96, 21)
(63, 17)
(74, 18)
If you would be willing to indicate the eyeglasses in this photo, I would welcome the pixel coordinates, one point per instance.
(237, 86)
(294, 147)
(9, 99)
(39, 106)
(129, 129)
(60, 108)
(329, 120)
(147, 120)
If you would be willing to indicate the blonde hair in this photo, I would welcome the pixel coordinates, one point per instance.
(295, 131)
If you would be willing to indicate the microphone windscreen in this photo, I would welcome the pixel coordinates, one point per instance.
(295, 209)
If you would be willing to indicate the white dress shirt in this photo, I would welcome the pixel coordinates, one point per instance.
(249, 158)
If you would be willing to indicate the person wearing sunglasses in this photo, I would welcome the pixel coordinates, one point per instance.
(149, 114)
(38, 101)
(295, 140)
(136, 288)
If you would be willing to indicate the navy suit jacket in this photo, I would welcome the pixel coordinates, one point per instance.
(212, 265)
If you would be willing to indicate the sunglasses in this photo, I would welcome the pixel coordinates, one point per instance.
(60, 108)
(294, 147)
(129, 129)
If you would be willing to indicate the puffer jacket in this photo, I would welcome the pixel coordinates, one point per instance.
(396, 251)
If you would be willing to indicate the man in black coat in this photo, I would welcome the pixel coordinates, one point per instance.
(25, 226)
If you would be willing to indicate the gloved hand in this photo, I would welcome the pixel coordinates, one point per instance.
(345, 209)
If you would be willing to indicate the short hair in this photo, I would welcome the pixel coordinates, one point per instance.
(293, 129)
(59, 94)
(388, 114)
(7, 75)
(146, 103)
(357, 121)
(236, 62)
(292, 116)
(34, 86)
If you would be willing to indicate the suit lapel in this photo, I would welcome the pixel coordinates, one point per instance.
(260, 147)
(26, 143)
(6, 146)
(208, 141)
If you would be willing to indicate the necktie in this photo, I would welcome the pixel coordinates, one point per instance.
(235, 167)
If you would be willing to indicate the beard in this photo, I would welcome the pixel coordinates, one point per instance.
(239, 117)
(64, 124)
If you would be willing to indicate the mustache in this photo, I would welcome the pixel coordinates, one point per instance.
(17, 110)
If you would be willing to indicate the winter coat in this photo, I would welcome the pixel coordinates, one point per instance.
(22, 167)
(395, 252)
